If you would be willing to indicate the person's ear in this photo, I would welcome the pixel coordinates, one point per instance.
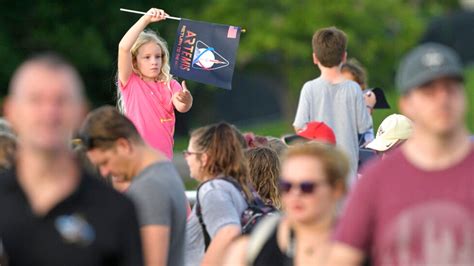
(8, 110)
(204, 159)
(339, 190)
(123, 145)
(404, 106)
(315, 59)
(344, 58)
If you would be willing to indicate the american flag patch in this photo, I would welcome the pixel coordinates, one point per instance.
(232, 32)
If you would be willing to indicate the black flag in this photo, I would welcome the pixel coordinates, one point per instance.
(205, 52)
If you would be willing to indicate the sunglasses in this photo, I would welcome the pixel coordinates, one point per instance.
(305, 187)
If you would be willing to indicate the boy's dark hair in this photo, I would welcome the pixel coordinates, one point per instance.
(329, 46)
(103, 126)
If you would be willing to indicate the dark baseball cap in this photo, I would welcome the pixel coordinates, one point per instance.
(426, 63)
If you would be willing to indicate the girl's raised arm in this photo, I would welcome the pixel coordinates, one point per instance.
(125, 45)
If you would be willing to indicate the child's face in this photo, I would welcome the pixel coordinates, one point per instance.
(149, 60)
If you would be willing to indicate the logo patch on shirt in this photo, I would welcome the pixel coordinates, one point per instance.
(75, 229)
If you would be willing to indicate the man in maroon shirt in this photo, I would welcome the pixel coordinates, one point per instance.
(416, 207)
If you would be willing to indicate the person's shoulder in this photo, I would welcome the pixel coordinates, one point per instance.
(379, 168)
(174, 83)
(312, 86)
(160, 171)
(160, 175)
(171, 85)
(313, 83)
(133, 81)
(351, 86)
(218, 184)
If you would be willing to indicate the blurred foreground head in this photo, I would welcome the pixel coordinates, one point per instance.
(45, 103)
(431, 81)
(312, 181)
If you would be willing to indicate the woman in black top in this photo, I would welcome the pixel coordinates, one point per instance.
(312, 183)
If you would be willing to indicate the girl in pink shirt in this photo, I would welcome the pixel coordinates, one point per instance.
(147, 93)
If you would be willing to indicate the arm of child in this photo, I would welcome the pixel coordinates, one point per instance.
(183, 100)
(125, 45)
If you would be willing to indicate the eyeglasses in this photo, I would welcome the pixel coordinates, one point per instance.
(305, 187)
(187, 153)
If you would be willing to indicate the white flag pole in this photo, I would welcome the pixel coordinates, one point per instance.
(144, 13)
(168, 17)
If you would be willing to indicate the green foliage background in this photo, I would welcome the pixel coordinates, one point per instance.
(277, 42)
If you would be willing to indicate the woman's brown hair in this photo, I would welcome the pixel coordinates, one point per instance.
(224, 152)
(264, 166)
(335, 163)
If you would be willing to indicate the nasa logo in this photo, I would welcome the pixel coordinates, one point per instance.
(207, 58)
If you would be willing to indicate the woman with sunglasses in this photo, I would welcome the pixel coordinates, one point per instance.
(311, 185)
(214, 157)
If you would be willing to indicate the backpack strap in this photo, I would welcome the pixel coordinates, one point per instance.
(260, 236)
(207, 237)
(236, 185)
(256, 201)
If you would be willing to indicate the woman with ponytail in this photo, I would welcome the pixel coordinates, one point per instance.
(216, 159)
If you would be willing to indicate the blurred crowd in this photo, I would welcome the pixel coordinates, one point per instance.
(102, 190)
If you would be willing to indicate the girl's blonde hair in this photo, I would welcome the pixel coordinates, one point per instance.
(145, 37)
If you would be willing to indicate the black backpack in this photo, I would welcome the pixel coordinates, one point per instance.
(255, 211)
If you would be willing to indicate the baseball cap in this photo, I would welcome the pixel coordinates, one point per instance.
(312, 131)
(393, 128)
(426, 63)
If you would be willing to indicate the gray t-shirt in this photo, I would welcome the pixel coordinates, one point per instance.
(342, 107)
(221, 205)
(158, 194)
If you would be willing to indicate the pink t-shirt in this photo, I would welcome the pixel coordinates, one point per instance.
(149, 105)
(398, 214)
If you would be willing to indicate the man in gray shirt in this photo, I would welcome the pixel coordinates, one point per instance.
(332, 99)
(147, 176)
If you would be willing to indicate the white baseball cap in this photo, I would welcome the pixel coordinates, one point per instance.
(393, 128)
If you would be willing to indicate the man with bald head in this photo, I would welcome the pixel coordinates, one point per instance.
(53, 213)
